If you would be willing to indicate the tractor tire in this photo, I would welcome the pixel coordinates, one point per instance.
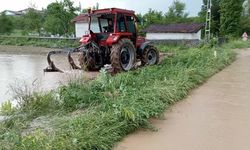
(123, 56)
(88, 63)
(150, 56)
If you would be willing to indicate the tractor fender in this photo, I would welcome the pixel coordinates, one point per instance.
(143, 47)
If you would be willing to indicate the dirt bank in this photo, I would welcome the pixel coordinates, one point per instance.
(216, 116)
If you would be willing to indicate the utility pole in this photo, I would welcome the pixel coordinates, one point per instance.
(208, 21)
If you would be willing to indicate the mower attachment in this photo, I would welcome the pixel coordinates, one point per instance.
(53, 68)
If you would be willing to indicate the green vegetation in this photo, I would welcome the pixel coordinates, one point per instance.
(58, 18)
(236, 44)
(227, 18)
(33, 21)
(6, 26)
(49, 43)
(215, 20)
(231, 12)
(55, 20)
(175, 14)
(96, 114)
(245, 19)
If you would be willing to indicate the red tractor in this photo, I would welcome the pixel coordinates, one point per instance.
(112, 39)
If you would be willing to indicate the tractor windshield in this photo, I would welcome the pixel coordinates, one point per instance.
(102, 23)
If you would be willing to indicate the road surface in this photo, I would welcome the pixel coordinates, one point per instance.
(215, 116)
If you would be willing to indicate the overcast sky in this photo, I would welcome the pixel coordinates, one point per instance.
(140, 6)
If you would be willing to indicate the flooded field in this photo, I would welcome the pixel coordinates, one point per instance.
(27, 69)
(23, 65)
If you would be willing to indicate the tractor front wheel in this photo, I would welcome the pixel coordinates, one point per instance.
(123, 56)
(150, 56)
(89, 62)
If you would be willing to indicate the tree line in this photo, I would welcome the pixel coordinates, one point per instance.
(54, 20)
(227, 18)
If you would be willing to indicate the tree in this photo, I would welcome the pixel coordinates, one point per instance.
(245, 24)
(176, 12)
(85, 10)
(6, 25)
(59, 16)
(245, 19)
(33, 21)
(231, 11)
(18, 22)
(215, 26)
(153, 17)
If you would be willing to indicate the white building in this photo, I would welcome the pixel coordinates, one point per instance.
(81, 25)
(175, 32)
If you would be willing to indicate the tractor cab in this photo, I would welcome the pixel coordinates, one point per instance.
(107, 26)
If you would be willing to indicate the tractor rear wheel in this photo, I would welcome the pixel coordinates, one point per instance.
(123, 56)
(150, 56)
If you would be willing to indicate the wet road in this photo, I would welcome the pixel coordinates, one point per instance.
(28, 69)
(216, 116)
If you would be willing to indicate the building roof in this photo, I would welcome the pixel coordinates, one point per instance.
(175, 28)
(11, 11)
(81, 18)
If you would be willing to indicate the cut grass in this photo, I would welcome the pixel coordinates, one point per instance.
(97, 114)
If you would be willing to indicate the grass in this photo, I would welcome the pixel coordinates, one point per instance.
(94, 115)
(48, 43)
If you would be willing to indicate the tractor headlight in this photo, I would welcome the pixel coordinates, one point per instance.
(115, 38)
(81, 40)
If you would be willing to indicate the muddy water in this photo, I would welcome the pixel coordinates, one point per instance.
(28, 70)
(215, 116)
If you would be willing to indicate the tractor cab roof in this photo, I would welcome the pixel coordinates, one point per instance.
(112, 11)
